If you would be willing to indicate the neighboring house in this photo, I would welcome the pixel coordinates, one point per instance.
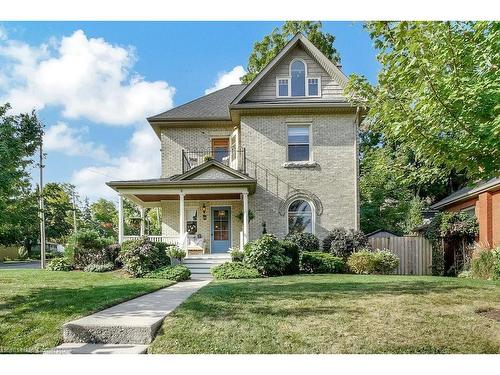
(481, 200)
(282, 149)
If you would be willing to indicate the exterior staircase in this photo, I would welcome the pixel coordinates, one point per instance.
(200, 265)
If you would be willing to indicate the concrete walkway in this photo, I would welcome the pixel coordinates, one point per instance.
(128, 327)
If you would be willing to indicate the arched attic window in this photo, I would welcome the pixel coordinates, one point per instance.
(298, 76)
(300, 217)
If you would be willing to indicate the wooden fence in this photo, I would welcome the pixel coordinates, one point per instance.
(414, 253)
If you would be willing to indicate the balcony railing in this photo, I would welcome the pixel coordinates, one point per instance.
(234, 158)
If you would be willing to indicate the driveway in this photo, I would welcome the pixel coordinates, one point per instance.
(33, 264)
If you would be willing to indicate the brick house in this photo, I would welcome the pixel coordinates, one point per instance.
(280, 153)
(482, 201)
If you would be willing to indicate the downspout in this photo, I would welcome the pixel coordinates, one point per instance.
(356, 174)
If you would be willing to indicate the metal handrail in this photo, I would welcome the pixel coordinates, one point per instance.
(232, 158)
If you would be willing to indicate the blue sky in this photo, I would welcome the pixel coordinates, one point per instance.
(93, 88)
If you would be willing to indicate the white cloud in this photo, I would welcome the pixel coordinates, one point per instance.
(142, 160)
(3, 33)
(225, 79)
(70, 141)
(87, 77)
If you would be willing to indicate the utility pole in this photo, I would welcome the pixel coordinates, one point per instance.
(42, 210)
(74, 212)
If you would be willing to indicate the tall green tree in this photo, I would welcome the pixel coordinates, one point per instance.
(265, 50)
(438, 94)
(58, 211)
(20, 137)
(105, 215)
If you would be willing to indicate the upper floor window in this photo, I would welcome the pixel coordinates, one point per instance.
(298, 83)
(298, 143)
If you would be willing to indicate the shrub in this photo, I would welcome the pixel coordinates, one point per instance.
(174, 273)
(142, 256)
(60, 264)
(486, 263)
(88, 247)
(465, 275)
(266, 255)
(93, 267)
(234, 270)
(22, 253)
(362, 262)
(175, 252)
(342, 242)
(237, 255)
(385, 261)
(292, 251)
(305, 241)
(368, 262)
(319, 262)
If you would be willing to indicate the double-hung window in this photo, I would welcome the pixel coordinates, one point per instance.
(298, 143)
(283, 87)
(313, 86)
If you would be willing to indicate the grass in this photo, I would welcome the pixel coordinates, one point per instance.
(34, 304)
(335, 314)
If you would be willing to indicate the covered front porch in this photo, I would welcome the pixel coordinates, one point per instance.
(203, 211)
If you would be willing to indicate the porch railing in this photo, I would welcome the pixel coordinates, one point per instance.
(165, 239)
(235, 158)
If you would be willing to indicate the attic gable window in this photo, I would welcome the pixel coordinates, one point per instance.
(298, 84)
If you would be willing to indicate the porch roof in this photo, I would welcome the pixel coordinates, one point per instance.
(198, 183)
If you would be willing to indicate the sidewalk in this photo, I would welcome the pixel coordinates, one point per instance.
(128, 327)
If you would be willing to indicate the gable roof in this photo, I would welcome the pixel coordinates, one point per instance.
(301, 40)
(214, 106)
(468, 192)
(211, 165)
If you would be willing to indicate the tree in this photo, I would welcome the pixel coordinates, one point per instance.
(105, 215)
(20, 137)
(58, 211)
(437, 94)
(265, 50)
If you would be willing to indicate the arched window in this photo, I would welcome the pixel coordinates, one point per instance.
(300, 217)
(298, 75)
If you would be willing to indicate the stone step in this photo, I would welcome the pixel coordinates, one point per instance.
(205, 261)
(84, 348)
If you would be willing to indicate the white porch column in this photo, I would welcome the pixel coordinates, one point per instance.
(245, 218)
(120, 219)
(182, 220)
(143, 226)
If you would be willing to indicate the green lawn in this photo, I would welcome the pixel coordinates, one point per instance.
(34, 304)
(335, 314)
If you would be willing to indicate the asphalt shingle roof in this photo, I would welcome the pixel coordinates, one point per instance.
(214, 106)
(467, 192)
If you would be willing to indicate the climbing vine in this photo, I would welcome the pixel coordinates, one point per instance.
(447, 226)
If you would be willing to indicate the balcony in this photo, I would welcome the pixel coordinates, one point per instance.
(235, 158)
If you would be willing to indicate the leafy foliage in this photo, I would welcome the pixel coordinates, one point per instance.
(368, 262)
(237, 255)
(88, 247)
(342, 242)
(265, 50)
(19, 139)
(292, 251)
(319, 262)
(174, 273)
(305, 241)
(234, 270)
(486, 263)
(60, 264)
(96, 267)
(437, 93)
(175, 252)
(266, 255)
(142, 256)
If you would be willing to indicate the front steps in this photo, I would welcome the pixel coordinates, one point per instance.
(200, 265)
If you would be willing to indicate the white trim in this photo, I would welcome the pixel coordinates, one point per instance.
(299, 125)
(313, 213)
(278, 88)
(120, 219)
